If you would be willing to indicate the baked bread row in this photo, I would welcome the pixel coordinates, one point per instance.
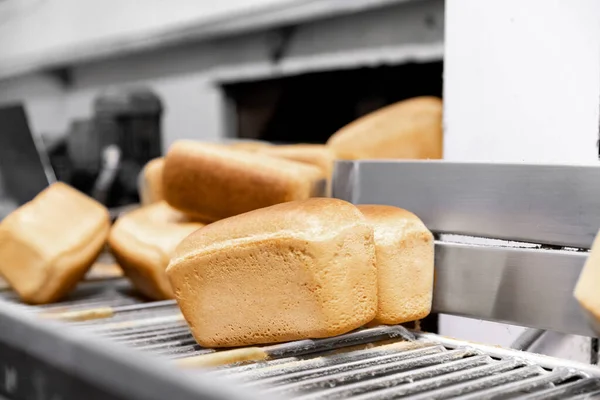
(47, 245)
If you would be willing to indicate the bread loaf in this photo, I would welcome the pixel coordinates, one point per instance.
(313, 154)
(150, 185)
(214, 182)
(48, 244)
(586, 289)
(318, 155)
(405, 256)
(249, 145)
(410, 129)
(143, 242)
(303, 269)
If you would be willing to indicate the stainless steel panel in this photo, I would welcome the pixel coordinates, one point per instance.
(122, 371)
(529, 287)
(550, 204)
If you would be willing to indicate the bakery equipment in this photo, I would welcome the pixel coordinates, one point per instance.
(511, 241)
(25, 168)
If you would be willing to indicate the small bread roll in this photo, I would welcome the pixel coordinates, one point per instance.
(405, 257)
(143, 242)
(298, 270)
(410, 129)
(48, 244)
(150, 184)
(212, 182)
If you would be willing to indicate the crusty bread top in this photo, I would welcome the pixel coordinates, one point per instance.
(158, 224)
(313, 154)
(407, 129)
(311, 219)
(159, 213)
(244, 180)
(59, 207)
(388, 221)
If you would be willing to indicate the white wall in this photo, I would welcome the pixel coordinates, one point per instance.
(522, 80)
(522, 83)
(34, 29)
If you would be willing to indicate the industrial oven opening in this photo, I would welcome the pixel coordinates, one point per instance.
(309, 108)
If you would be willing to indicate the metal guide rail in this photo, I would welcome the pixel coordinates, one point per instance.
(523, 230)
(376, 363)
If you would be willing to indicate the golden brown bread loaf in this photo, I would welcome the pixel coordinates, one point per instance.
(586, 289)
(48, 244)
(249, 145)
(405, 257)
(410, 129)
(318, 155)
(143, 242)
(150, 183)
(212, 182)
(297, 270)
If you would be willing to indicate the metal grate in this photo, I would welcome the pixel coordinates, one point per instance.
(375, 363)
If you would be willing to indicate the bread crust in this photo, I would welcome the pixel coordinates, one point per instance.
(410, 129)
(151, 182)
(405, 264)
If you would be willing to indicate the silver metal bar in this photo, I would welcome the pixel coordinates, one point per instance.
(527, 339)
(324, 375)
(320, 380)
(525, 385)
(567, 389)
(499, 352)
(502, 371)
(308, 346)
(354, 389)
(129, 334)
(528, 287)
(156, 333)
(366, 357)
(551, 204)
(147, 306)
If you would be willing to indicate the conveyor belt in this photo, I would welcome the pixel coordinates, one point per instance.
(374, 363)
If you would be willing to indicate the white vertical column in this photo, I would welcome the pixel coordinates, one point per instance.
(521, 84)
(522, 80)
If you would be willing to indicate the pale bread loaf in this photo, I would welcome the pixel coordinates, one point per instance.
(48, 244)
(292, 271)
(213, 182)
(150, 185)
(410, 129)
(318, 155)
(586, 289)
(249, 145)
(405, 257)
(143, 242)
